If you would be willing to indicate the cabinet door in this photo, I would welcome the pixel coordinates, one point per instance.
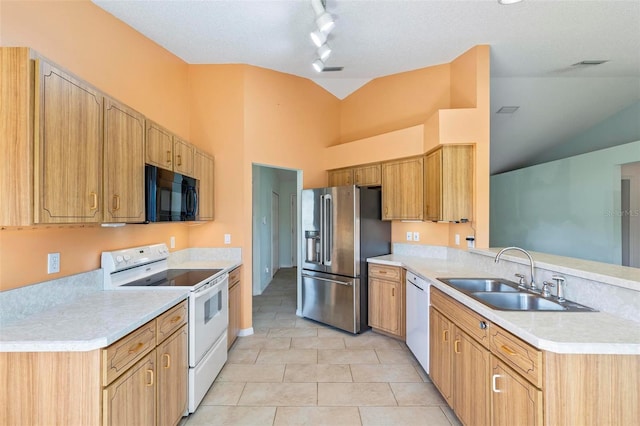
(471, 375)
(123, 163)
(204, 172)
(384, 306)
(159, 146)
(68, 149)
(514, 399)
(367, 175)
(183, 157)
(433, 185)
(341, 177)
(131, 399)
(173, 370)
(441, 336)
(457, 182)
(403, 189)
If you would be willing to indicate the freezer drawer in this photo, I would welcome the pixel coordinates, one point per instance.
(332, 300)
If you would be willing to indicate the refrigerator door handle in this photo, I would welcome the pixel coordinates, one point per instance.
(327, 226)
(348, 284)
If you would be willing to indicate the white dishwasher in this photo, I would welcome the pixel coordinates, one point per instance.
(418, 318)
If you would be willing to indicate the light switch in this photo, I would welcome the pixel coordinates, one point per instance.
(227, 238)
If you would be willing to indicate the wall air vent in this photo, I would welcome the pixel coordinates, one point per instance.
(589, 63)
(507, 110)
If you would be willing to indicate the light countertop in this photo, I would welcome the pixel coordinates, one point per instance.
(560, 332)
(97, 319)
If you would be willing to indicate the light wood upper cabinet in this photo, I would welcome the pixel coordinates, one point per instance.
(68, 148)
(124, 143)
(16, 136)
(183, 156)
(159, 146)
(403, 189)
(369, 175)
(449, 171)
(204, 172)
(341, 177)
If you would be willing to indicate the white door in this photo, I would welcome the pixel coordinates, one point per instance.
(275, 233)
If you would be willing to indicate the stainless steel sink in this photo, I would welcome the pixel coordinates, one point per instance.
(518, 301)
(505, 295)
(480, 284)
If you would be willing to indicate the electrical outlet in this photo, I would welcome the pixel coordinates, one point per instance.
(172, 242)
(53, 263)
(416, 236)
(409, 236)
(457, 239)
(227, 238)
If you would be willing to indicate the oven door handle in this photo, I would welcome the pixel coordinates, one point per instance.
(206, 292)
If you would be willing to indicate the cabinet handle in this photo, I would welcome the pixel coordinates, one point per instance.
(382, 272)
(168, 156)
(94, 201)
(136, 348)
(150, 376)
(179, 159)
(506, 349)
(445, 335)
(167, 357)
(116, 202)
(393, 292)
(176, 319)
(494, 386)
(456, 349)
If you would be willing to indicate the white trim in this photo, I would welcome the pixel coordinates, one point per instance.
(245, 332)
(299, 312)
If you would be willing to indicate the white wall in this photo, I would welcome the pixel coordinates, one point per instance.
(568, 207)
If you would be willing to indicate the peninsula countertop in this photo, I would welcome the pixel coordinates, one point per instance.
(560, 332)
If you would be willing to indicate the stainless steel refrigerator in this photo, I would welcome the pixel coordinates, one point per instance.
(341, 227)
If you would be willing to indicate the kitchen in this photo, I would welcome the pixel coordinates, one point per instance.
(231, 93)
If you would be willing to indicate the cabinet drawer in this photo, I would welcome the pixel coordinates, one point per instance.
(392, 273)
(521, 356)
(234, 277)
(121, 355)
(170, 321)
(472, 323)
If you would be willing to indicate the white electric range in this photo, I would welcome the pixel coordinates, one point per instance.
(147, 266)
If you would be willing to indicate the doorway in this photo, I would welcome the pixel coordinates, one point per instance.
(274, 246)
(630, 214)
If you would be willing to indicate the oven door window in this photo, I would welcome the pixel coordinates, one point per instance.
(213, 306)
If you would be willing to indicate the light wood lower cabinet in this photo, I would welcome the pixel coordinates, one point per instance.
(234, 306)
(139, 380)
(386, 299)
(491, 377)
(513, 399)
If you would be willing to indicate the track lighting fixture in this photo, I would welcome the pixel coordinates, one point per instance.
(325, 23)
(318, 38)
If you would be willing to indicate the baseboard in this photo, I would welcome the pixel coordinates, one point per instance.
(245, 332)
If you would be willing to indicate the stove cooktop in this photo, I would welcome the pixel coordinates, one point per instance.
(174, 278)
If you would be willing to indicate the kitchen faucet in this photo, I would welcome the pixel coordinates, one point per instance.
(532, 285)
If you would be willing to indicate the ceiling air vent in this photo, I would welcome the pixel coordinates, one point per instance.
(589, 63)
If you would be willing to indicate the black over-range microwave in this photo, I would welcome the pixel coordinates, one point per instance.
(169, 196)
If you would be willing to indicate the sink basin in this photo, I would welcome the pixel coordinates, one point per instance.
(480, 284)
(518, 301)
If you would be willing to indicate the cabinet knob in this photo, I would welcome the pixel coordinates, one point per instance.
(483, 325)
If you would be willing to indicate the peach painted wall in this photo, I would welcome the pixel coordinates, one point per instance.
(102, 50)
(394, 102)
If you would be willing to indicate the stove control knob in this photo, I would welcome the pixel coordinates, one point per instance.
(127, 258)
(118, 259)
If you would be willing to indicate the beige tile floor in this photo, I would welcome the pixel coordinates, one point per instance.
(294, 371)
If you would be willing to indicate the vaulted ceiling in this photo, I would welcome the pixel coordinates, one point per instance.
(534, 45)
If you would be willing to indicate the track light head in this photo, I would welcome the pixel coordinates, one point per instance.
(318, 65)
(325, 23)
(318, 38)
(324, 51)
